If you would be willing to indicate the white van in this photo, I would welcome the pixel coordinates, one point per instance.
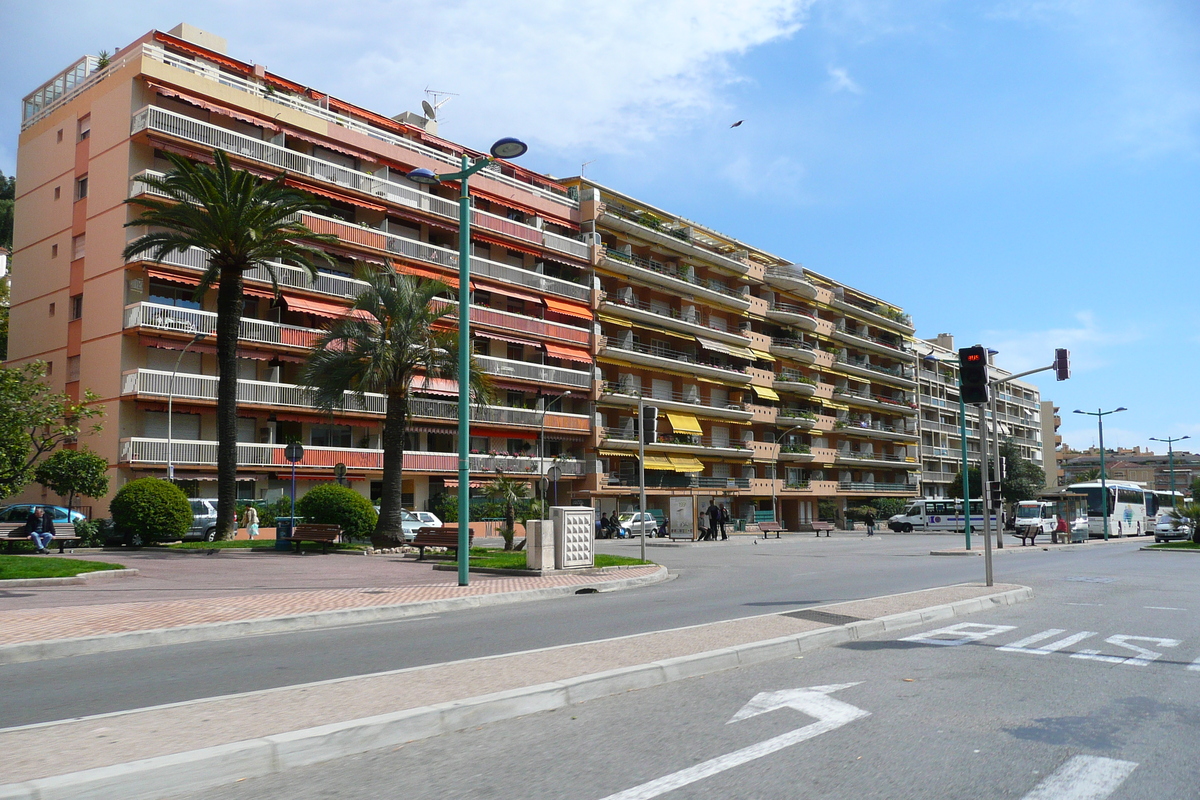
(1036, 513)
(937, 515)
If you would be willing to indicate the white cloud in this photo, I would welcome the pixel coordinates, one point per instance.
(594, 75)
(1088, 340)
(840, 81)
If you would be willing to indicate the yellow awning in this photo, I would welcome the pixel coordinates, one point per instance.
(685, 423)
(659, 462)
(838, 406)
(614, 454)
(765, 393)
(687, 464)
(762, 356)
(624, 323)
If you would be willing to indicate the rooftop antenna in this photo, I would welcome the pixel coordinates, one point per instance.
(439, 99)
(583, 166)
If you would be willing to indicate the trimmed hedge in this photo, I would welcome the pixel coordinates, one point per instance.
(152, 510)
(331, 504)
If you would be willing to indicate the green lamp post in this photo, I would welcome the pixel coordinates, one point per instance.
(1100, 415)
(504, 148)
(1171, 459)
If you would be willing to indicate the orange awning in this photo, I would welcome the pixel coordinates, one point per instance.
(568, 353)
(429, 385)
(505, 243)
(203, 52)
(171, 277)
(335, 147)
(499, 337)
(207, 106)
(570, 309)
(341, 198)
(306, 306)
(513, 293)
(426, 272)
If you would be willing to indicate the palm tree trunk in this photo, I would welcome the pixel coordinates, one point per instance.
(229, 319)
(389, 530)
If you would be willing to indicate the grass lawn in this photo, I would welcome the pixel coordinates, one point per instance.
(1176, 546)
(12, 567)
(515, 559)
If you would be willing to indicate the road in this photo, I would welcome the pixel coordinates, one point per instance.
(1091, 690)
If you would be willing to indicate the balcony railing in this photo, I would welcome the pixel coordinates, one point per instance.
(138, 450)
(656, 479)
(852, 486)
(611, 387)
(671, 354)
(863, 363)
(625, 434)
(534, 372)
(684, 276)
(795, 344)
(698, 318)
(187, 320)
(681, 233)
(791, 308)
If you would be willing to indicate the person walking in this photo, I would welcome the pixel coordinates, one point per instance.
(250, 520)
(40, 528)
(869, 521)
(724, 522)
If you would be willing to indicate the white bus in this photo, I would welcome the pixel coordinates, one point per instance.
(1157, 501)
(1126, 508)
(1036, 514)
(927, 514)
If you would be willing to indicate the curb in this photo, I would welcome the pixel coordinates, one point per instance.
(85, 645)
(198, 770)
(1152, 549)
(81, 579)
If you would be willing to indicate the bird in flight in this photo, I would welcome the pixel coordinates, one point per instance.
(739, 122)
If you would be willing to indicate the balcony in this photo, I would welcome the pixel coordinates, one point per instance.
(173, 319)
(877, 430)
(875, 313)
(877, 401)
(875, 344)
(790, 278)
(861, 366)
(138, 450)
(885, 459)
(678, 238)
(689, 402)
(669, 359)
(792, 314)
(696, 324)
(878, 488)
(656, 479)
(795, 382)
(522, 370)
(795, 349)
(678, 282)
(794, 417)
(626, 439)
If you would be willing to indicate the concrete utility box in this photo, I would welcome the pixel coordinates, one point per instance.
(574, 536)
(539, 544)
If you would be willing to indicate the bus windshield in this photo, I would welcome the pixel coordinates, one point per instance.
(1028, 512)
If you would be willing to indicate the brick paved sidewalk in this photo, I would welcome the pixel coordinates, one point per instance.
(68, 622)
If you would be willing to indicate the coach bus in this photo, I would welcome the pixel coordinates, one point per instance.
(1157, 501)
(1126, 508)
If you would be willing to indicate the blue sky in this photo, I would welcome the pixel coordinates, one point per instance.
(1021, 173)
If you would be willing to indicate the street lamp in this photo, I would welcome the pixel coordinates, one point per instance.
(1171, 459)
(171, 399)
(503, 148)
(1100, 415)
(542, 445)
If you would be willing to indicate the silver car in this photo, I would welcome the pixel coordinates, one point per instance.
(1170, 526)
(204, 519)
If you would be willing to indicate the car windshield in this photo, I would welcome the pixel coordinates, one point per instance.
(408, 516)
(1030, 512)
(626, 518)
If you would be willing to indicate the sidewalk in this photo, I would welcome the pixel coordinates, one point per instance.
(189, 746)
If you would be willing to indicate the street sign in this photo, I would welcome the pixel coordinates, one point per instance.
(293, 452)
(339, 469)
(554, 473)
(812, 701)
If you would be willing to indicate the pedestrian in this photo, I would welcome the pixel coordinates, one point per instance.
(703, 526)
(602, 530)
(40, 528)
(714, 520)
(724, 521)
(250, 520)
(869, 521)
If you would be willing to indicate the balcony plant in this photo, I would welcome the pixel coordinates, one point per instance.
(242, 223)
(382, 346)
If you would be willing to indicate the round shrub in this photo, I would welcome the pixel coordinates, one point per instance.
(331, 504)
(151, 510)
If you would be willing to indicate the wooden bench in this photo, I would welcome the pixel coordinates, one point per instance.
(817, 527)
(325, 534)
(767, 527)
(445, 536)
(13, 532)
(1030, 532)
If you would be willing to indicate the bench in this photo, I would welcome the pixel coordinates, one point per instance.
(324, 534)
(445, 536)
(1029, 532)
(13, 532)
(767, 527)
(817, 527)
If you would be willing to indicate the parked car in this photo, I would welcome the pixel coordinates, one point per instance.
(633, 523)
(409, 523)
(21, 511)
(1170, 526)
(204, 519)
(428, 519)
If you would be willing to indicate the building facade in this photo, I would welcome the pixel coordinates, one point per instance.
(1135, 464)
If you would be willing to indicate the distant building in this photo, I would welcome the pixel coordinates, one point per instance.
(1151, 469)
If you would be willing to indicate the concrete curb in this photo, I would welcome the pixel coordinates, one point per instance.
(76, 580)
(60, 648)
(198, 770)
(1152, 549)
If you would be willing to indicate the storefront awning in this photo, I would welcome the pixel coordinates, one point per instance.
(570, 309)
(765, 394)
(687, 464)
(685, 423)
(568, 353)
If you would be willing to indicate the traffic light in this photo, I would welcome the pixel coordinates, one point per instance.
(973, 374)
(1062, 363)
(650, 424)
(994, 495)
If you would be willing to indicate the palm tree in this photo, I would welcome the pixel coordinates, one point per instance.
(241, 223)
(398, 334)
(508, 492)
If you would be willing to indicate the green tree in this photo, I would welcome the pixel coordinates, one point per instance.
(1023, 479)
(391, 341)
(4, 302)
(508, 492)
(8, 199)
(331, 504)
(242, 223)
(70, 473)
(1087, 476)
(34, 421)
(150, 510)
(974, 481)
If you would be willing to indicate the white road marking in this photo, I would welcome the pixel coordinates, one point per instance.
(961, 633)
(1143, 658)
(1164, 608)
(1084, 604)
(1083, 778)
(1195, 665)
(813, 701)
(1023, 645)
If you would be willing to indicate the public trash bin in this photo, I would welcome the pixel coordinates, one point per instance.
(283, 533)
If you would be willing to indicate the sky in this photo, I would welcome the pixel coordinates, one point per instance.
(1023, 174)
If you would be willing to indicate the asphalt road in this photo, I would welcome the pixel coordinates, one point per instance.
(712, 584)
(1091, 690)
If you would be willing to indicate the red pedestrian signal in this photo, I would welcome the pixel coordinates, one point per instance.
(973, 375)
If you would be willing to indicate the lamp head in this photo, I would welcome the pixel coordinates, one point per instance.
(1122, 408)
(1077, 411)
(423, 175)
(508, 147)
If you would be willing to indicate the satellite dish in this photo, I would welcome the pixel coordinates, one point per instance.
(430, 111)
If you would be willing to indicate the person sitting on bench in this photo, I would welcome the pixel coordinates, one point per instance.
(40, 528)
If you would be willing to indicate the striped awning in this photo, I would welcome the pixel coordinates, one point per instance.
(613, 454)
(622, 323)
(762, 355)
(728, 349)
(687, 464)
(570, 309)
(765, 394)
(659, 462)
(685, 423)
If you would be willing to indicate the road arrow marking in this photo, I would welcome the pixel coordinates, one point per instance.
(1083, 778)
(812, 700)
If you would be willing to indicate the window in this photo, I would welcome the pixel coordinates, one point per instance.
(54, 251)
(72, 368)
(170, 294)
(50, 364)
(57, 192)
(51, 310)
(60, 134)
(330, 436)
(78, 246)
(81, 188)
(85, 128)
(76, 306)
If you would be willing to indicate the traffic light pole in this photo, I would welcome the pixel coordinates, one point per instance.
(642, 471)
(985, 499)
(999, 469)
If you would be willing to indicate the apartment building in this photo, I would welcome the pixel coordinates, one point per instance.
(123, 329)
(774, 386)
(1052, 442)
(1019, 417)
